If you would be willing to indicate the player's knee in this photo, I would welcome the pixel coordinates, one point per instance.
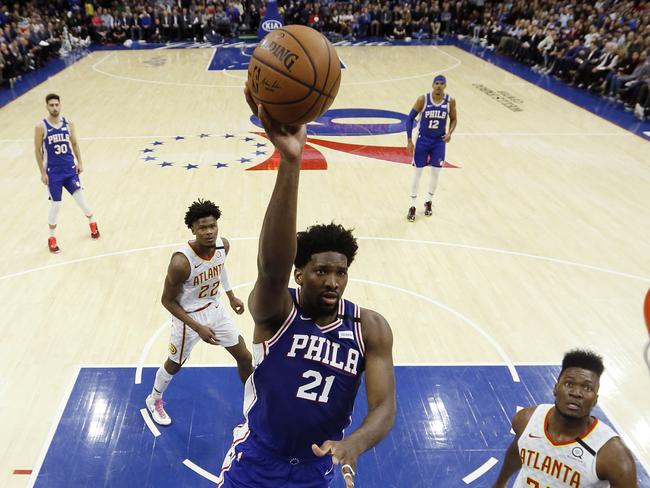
(172, 367)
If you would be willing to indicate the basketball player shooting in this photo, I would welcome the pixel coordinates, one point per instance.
(310, 348)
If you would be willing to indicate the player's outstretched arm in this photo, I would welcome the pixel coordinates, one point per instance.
(270, 302)
(380, 391)
(512, 461)
(616, 465)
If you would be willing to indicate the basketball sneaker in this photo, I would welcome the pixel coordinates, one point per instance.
(157, 411)
(411, 215)
(428, 210)
(94, 230)
(52, 245)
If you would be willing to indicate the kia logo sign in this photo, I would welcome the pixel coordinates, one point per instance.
(271, 24)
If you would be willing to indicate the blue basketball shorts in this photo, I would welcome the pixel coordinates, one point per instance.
(248, 464)
(429, 153)
(57, 183)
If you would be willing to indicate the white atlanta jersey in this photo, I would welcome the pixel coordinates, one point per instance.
(550, 464)
(202, 287)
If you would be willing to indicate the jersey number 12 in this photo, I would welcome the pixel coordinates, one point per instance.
(433, 124)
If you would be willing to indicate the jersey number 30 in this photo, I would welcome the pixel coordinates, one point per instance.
(306, 391)
(60, 149)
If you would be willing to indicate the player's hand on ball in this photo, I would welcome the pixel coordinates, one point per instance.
(237, 305)
(207, 335)
(289, 140)
(343, 453)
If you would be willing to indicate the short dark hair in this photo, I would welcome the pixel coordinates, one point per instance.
(200, 209)
(324, 238)
(583, 359)
(52, 96)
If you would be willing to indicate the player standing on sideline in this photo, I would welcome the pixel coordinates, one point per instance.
(195, 277)
(433, 136)
(311, 348)
(562, 444)
(55, 146)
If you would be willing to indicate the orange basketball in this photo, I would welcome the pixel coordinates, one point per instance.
(295, 74)
(646, 310)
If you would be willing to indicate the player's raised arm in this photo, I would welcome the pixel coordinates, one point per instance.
(270, 302)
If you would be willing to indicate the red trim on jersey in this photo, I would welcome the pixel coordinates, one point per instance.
(357, 329)
(234, 444)
(284, 326)
(547, 419)
(197, 253)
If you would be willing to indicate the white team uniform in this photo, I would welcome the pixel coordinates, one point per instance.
(550, 464)
(200, 298)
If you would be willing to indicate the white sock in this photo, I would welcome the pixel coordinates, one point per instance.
(53, 215)
(433, 181)
(415, 183)
(163, 378)
(52, 231)
(81, 201)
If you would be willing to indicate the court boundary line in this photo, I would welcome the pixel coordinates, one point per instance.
(481, 470)
(459, 45)
(210, 58)
(200, 471)
(149, 423)
(56, 421)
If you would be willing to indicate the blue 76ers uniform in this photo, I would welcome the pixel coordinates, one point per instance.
(301, 393)
(430, 144)
(59, 160)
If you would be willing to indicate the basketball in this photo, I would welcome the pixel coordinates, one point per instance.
(295, 74)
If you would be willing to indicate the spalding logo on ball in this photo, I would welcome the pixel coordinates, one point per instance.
(295, 74)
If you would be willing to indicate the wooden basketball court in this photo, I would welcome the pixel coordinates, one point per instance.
(539, 241)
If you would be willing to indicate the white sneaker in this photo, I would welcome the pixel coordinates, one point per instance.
(157, 411)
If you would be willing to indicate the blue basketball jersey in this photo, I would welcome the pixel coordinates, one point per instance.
(57, 150)
(305, 381)
(433, 118)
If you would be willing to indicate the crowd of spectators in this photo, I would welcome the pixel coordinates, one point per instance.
(599, 45)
